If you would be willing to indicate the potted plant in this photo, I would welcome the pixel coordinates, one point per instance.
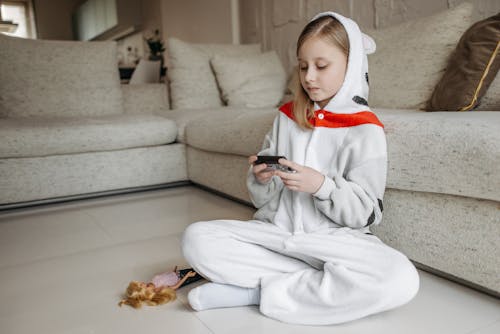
(156, 47)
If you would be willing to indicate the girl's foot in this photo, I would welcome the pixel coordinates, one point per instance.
(215, 295)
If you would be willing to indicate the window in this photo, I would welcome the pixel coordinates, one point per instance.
(19, 12)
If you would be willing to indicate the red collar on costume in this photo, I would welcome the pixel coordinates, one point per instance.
(327, 119)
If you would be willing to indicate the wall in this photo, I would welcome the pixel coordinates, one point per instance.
(151, 15)
(151, 20)
(276, 24)
(53, 18)
(198, 21)
(190, 20)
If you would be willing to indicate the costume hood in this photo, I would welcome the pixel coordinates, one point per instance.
(352, 96)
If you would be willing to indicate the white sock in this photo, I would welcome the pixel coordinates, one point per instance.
(215, 295)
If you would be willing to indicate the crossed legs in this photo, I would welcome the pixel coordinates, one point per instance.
(326, 277)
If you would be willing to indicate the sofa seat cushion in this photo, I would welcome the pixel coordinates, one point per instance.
(238, 131)
(44, 136)
(183, 117)
(455, 154)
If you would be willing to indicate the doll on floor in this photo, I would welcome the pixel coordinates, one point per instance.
(160, 290)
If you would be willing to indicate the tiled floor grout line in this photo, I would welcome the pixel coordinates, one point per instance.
(98, 224)
(484, 327)
(188, 308)
(96, 249)
(204, 324)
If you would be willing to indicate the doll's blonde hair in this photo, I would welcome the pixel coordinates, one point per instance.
(332, 31)
(139, 293)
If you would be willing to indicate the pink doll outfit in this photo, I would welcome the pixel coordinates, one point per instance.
(166, 279)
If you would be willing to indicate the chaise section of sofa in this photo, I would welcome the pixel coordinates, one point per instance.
(443, 192)
(442, 197)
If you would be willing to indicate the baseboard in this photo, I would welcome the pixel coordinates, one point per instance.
(456, 279)
(221, 194)
(72, 198)
(65, 199)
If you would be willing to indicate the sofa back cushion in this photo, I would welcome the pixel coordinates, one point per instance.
(239, 131)
(250, 80)
(147, 98)
(192, 81)
(58, 78)
(411, 57)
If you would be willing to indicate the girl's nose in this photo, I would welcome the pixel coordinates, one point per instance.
(310, 75)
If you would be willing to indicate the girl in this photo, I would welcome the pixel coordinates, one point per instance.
(308, 257)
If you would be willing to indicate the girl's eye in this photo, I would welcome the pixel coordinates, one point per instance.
(303, 68)
(322, 67)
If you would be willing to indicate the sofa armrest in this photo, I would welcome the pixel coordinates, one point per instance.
(145, 98)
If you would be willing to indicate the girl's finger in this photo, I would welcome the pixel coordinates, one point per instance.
(288, 176)
(290, 164)
(259, 168)
(291, 183)
(252, 159)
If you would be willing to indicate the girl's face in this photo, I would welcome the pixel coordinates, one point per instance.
(322, 68)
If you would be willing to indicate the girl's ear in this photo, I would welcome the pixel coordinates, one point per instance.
(368, 44)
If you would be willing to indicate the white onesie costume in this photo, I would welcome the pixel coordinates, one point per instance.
(312, 254)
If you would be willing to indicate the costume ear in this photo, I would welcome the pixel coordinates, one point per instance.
(368, 44)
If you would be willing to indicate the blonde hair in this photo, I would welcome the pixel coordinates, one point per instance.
(139, 292)
(331, 30)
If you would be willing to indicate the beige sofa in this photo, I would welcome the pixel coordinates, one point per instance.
(443, 192)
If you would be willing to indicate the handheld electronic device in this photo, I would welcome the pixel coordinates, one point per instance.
(272, 163)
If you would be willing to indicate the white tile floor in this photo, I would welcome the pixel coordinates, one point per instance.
(63, 268)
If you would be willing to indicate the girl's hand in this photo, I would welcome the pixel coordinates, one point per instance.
(262, 176)
(304, 179)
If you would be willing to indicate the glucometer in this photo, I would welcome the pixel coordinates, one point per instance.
(272, 163)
